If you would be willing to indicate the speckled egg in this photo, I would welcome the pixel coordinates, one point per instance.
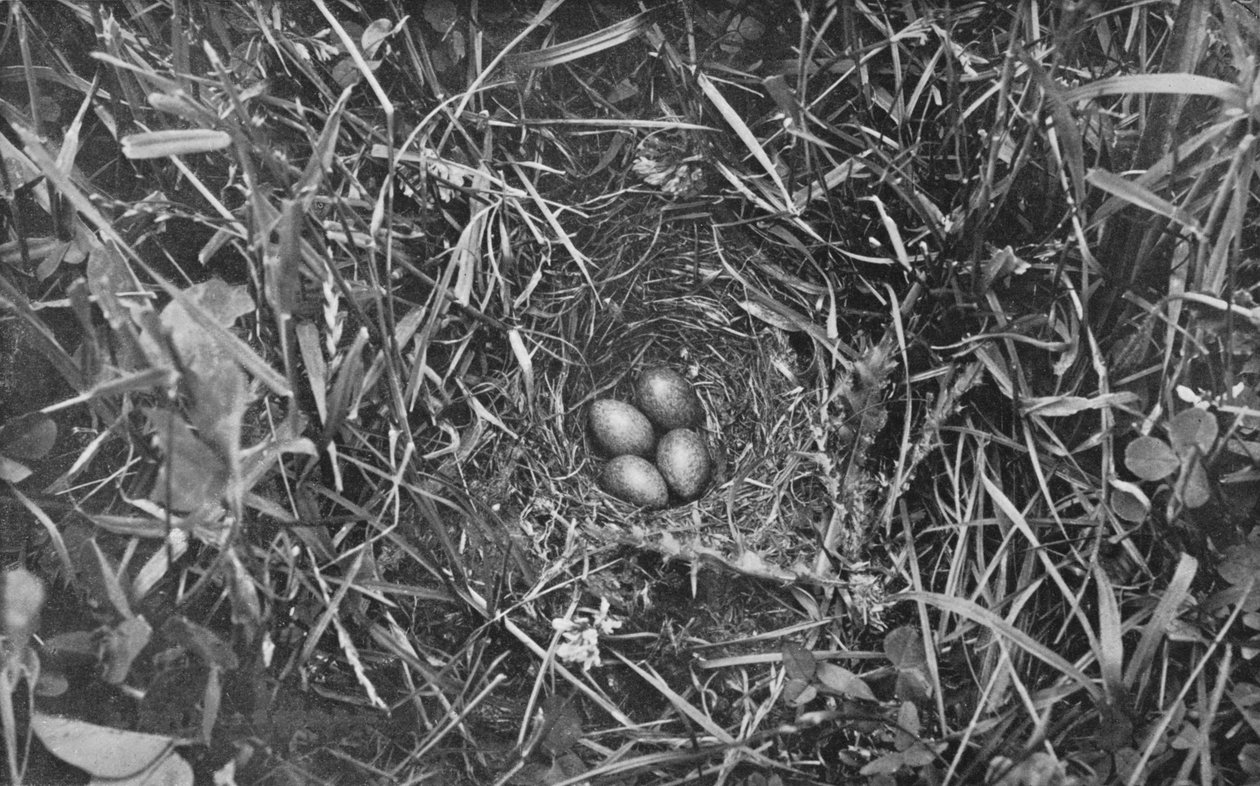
(634, 480)
(684, 463)
(667, 399)
(618, 429)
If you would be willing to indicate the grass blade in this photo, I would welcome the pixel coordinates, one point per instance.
(986, 618)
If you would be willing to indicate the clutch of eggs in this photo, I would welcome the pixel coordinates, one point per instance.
(626, 435)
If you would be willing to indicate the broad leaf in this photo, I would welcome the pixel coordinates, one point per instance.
(201, 641)
(120, 646)
(1241, 562)
(904, 647)
(807, 694)
(793, 688)
(798, 662)
(170, 771)
(1128, 501)
(1192, 429)
(1195, 489)
(843, 682)
(564, 725)
(908, 726)
(20, 603)
(1150, 458)
(28, 437)
(100, 750)
(192, 474)
(912, 685)
(215, 379)
(13, 471)
(440, 14)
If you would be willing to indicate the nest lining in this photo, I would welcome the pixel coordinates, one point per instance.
(668, 298)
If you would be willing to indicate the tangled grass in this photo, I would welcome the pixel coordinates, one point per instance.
(303, 305)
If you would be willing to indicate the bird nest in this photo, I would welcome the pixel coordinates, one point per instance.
(791, 409)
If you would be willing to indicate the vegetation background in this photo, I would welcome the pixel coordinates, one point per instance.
(302, 305)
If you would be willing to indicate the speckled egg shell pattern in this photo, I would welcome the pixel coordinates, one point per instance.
(667, 398)
(634, 480)
(618, 429)
(683, 459)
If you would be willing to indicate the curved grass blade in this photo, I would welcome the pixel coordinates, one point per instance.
(1178, 84)
(746, 136)
(982, 616)
(1143, 197)
(585, 46)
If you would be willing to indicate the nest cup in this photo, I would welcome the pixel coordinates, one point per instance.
(673, 307)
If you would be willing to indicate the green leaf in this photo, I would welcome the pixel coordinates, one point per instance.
(807, 694)
(225, 302)
(1162, 619)
(842, 682)
(1128, 501)
(374, 35)
(192, 474)
(1241, 562)
(564, 725)
(51, 682)
(1186, 737)
(909, 726)
(918, 756)
(1194, 487)
(28, 436)
(798, 662)
(20, 603)
(1063, 406)
(889, 763)
(1249, 759)
(211, 701)
(591, 44)
(1193, 429)
(121, 645)
(1150, 458)
(904, 647)
(100, 750)
(13, 471)
(1039, 769)
(912, 685)
(1182, 84)
(1136, 194)
(986, 618)
(146, 379)
(201, 641)
(71, 644)
(745, 134)
(793, 688)
(100, 575)
(440, 14)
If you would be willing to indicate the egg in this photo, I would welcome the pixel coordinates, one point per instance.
(684, 463)
(635, 480)
(667, 398)
(617, 429)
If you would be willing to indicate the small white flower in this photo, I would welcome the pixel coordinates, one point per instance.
(581, 635)
(1203, 400)
(1187, 395)
(605, 621)
(580, 647)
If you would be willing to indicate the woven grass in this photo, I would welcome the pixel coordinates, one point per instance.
(680, 294)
